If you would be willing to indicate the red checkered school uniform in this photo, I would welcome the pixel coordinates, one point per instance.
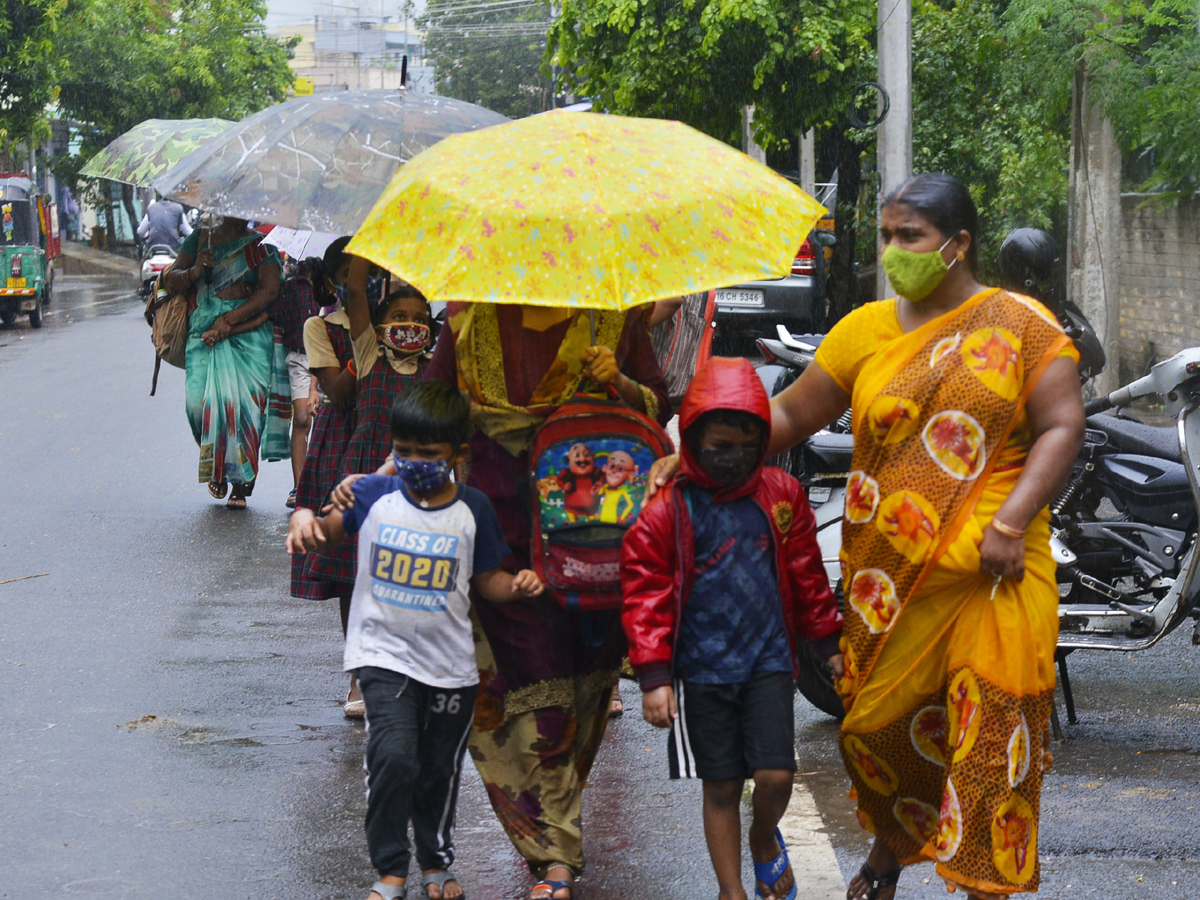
(369, 446)
(332, 429)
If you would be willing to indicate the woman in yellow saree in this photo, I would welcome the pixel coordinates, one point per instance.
(967, 418)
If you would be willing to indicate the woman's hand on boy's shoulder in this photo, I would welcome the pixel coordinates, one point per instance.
(658, 706)
(661, 473)
(341, 497)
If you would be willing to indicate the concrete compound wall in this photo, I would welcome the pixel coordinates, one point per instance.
(1159, 281)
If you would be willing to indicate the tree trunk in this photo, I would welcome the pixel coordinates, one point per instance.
(849, 168)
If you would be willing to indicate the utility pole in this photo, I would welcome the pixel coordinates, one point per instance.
(894, 156)
(808, 162)
(749, 146)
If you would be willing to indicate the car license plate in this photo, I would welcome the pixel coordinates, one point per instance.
(16, 282)
(728, 297)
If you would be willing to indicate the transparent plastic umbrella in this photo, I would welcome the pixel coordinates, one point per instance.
(317, 163)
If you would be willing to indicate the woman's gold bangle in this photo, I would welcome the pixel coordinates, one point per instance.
(1007, 530)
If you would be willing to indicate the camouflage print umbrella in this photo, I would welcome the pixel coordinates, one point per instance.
(148, 150)
(317, 163)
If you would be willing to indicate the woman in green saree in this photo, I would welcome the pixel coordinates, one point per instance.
(238, 402)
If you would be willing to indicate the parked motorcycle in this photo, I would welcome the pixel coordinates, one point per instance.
(155, 258)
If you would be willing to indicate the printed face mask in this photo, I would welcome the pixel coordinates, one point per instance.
(915, 275)
(729, 465)
(422, 476)
(404, 337)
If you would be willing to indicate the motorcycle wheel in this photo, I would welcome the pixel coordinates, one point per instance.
(816, 683)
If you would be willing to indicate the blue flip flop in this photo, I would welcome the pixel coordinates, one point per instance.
(554, 886)
(769, 873)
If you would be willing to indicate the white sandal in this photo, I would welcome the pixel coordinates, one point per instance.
(354, 709)
(390, 891)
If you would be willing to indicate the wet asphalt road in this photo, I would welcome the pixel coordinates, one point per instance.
(169, 718)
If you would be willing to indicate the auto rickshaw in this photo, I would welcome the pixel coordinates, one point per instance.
(29, 244)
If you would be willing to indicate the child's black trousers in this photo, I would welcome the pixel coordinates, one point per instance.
(416, 738)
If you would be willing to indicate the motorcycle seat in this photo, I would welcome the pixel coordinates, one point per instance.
(830, 452)
(1130, 436)
(813, 340)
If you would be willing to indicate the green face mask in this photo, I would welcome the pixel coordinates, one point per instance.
(915, 275)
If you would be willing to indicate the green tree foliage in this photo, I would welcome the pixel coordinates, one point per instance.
(29, 63)
(1143, 59)
(490, 52)
(797, 63)
(131, 60)
(991, 105)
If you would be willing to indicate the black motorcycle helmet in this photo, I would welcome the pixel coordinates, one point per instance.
(1028, 258)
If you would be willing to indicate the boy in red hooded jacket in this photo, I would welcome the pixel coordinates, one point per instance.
(722, 575)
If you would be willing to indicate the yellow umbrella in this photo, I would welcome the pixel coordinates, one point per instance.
(584, 210)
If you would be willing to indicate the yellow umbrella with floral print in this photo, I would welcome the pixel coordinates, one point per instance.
(584, 210)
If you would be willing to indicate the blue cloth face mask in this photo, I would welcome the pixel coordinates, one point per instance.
(422, 476)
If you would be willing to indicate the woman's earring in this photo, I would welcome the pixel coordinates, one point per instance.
(961, 256)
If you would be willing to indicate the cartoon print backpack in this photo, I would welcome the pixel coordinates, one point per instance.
(590, 461)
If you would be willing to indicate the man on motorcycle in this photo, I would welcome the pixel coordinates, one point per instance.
(164, 223)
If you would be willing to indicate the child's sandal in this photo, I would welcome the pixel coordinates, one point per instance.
(769, 873)
(390, 891)
(440, 879)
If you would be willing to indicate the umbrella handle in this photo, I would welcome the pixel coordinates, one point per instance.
(208, 272)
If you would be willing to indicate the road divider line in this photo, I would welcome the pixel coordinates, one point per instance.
(813, 861)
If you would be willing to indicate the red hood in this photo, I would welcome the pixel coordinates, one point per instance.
(723, 383)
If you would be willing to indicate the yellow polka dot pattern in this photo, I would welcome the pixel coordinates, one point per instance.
(584, 210)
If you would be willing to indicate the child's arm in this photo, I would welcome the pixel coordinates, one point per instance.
(307, 533)
(648, 581)
(503, 587)
(357, 308)
(249, 324)
(658, 706)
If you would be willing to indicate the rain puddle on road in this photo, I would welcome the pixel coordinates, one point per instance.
(76, 298)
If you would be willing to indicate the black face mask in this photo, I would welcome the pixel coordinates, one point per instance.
(729, 465)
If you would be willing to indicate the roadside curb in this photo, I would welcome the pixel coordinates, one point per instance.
(79, 259)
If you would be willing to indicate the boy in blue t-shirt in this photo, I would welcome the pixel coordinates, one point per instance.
(424, 542)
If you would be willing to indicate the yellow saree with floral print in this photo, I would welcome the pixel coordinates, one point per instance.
(949, 677)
